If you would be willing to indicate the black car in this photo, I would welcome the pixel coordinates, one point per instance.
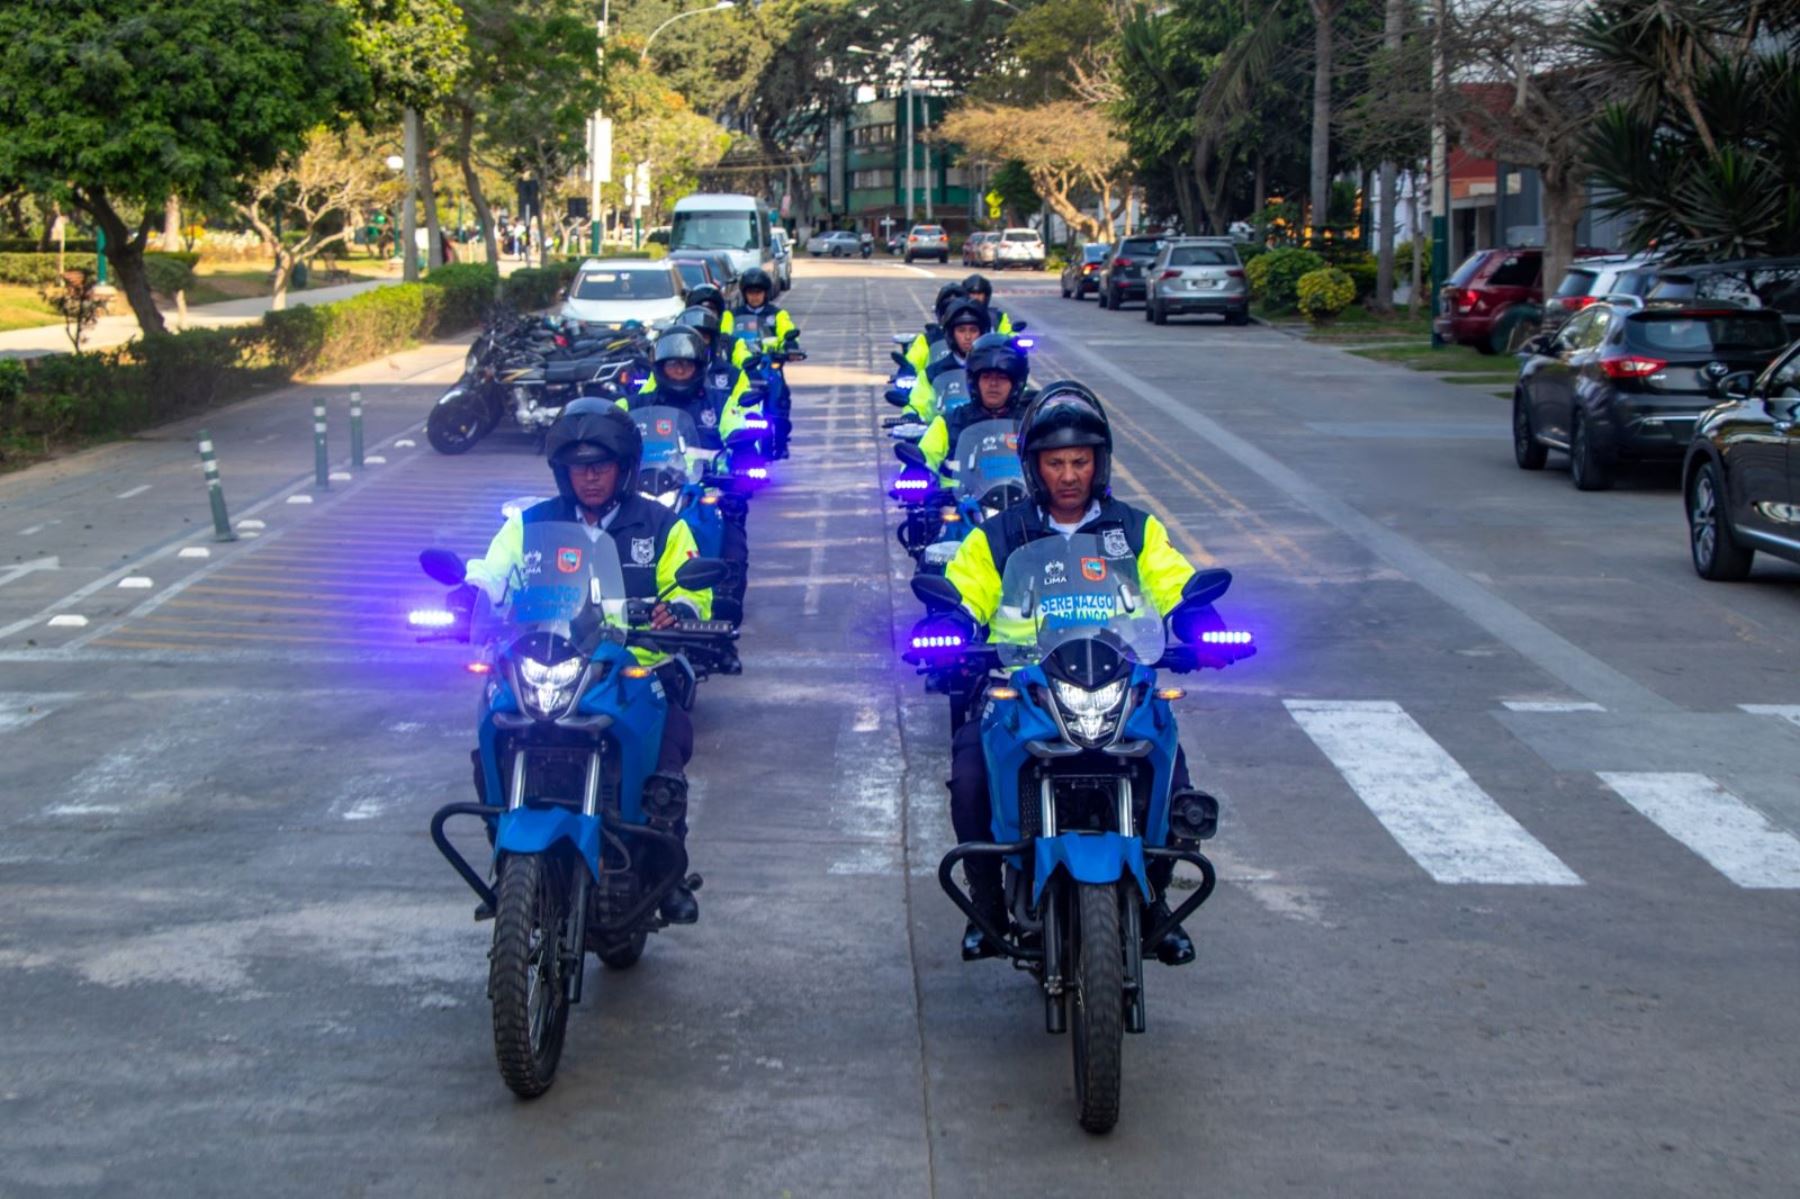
(1122, 277)
(1618, 384)
(707, 266)
(1739, 479)
(1082, 273)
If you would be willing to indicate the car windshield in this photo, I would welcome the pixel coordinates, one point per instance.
(713, 231)
(987, 464)
(1141, 247)
(692, 273)
(1022, 236)
(1577, 283)
(1060, 589)
(1093, 253)
(623, 285)
(1705, 333)
(1201, 256)
(928, 231)
(561, 572)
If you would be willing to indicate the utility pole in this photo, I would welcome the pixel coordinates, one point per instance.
(928, 178)
(1384, 263)
(909, 136)
(409, 253)
(599, 141)
(1440, 162)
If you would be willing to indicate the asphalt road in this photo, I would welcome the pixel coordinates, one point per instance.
(1510, 895)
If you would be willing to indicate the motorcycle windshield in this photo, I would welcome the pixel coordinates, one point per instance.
(562, 574)
(669, 433)
(1059, 589)
(952, 388)
(987, 465)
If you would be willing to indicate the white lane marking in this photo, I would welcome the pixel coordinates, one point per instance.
(68, 620)
(1551, 705)
(340, 476)
(251, 524)
(1736, 839)
(82, 809)
(194, 551)
(140, 489)
(405, 443)
(32, 531)
(136, 582)
(22, 569)
(1440, 816)
(374, 460)
(19, 709)
(299, 499)
(1787, 712)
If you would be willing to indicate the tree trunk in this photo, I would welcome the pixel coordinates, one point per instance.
(434, 236)
(1259, 196)
(465, 158)
(1417, 236)
(1320, 191)
(125, 251)
(409, 211)
(1565, 199)
(171, 230)
(1384, 254)
(284, 272)
(1058, 202)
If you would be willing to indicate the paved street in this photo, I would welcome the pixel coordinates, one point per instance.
(1510, 881)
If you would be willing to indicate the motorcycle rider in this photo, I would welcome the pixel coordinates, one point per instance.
(594, 450)
(679, 380)
(997, 371)
(1065, 447)
(705, 295)
(759, 319)
(982, 292)
(965, 324)
(927, 347)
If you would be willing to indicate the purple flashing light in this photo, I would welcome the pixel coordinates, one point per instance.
(1025, 343)
(430, 618)
(1225, 637)
(938, 641)
(757, 472)
(903, 483)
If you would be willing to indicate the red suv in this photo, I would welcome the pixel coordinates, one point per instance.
(1491, 301)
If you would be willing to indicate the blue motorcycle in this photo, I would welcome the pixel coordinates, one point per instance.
(570, 724)
(1080, 744)
(673, 469)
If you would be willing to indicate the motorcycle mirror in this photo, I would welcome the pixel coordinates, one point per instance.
(937, 593)
(1021, 326)
(698, 574)
(896, 398)
(900, 339)
(900, 358)
(443, 566)
(910, 454)
(1205, 586)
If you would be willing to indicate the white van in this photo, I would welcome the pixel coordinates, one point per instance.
(738, 225)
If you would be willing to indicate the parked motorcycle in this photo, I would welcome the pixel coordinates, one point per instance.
(570, 728)
(1081, 746)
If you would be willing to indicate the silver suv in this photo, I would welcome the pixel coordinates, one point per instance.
(1197, 274)
(928, 241)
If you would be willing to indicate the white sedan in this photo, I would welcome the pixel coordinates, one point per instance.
(611, 291)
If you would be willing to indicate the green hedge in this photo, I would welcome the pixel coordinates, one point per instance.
(29, 245)
(35, 270)
(538, 287)
(1275, 276)
(66, 398)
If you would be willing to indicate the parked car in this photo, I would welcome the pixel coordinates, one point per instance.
(835, 243)
(1122, 277)
(1752, 283)
(1493, 301)
(720, 265)
(783, 246)
(974, 246)
(695, 271)
(928, 241)
(1741, 478)
(1019, 247)
(1082, 273)
(611, 291)
(1619, 384)
(1605, 277)
(1198, 274)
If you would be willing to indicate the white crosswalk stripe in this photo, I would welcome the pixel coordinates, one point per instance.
(1787, 712)
(1734, 837)
(1429, 804)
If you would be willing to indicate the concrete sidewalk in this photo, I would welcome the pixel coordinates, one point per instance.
(120, 328)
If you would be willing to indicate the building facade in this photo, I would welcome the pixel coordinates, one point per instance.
(861, 180)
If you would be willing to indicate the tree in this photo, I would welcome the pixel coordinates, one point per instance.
(321, 192)
(1318, 191)
(1069, 150)
(1702, 150)
(75, 297)
(115, 104)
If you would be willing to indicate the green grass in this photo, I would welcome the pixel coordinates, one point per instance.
(1355, 324)
(22, 307)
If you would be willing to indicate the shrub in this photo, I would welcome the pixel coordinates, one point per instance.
(1324, 293)
(29, 245)
(35, 270)
(1274, 276)
(315, 339)
(1362, 270)
(468, 290)
(1248, 250)
(538, 287)
(1403, 262)
(168, 273)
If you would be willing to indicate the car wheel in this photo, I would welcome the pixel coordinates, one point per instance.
(1065, 291)
(1100, 296)
(1528, 451)
(1717, 555)
(1158, 315)
(1586, 470)
(1237, 318)
(909, 260)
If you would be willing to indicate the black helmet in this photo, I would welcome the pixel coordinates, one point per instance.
(1063, 415)
(947, 295)
(703, 321)
(977, 285)
(967, 312)
(754, 278)
(996, 352)
(680, 344)
(705, 295)
(592, 429)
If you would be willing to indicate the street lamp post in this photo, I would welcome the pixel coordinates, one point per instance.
(599, 144)
(640, 184)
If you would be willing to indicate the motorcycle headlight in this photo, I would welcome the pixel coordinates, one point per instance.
(549, 686)
(1090, 716)
(669, 499)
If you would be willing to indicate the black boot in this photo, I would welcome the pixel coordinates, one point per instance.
(985, 893)
(680, 907)
(665, 807)
(1176, 948)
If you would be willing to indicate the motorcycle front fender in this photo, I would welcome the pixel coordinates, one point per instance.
(537, 830)
(1102, 858)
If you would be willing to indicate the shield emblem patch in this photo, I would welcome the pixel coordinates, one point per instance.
(1012, 442)
(643, 550)
(1093, 569)
(1114, 543)
(568, 560)
(664, 426)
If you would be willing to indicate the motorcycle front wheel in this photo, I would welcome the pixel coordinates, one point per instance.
(526, 975)
(454, 428)
(1097, 1033)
